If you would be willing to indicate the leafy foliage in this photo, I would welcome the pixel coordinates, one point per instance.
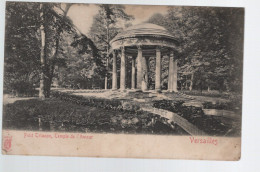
(24, 39)
(211, 44)
(22, 46)
(74, 113)
(110, 20)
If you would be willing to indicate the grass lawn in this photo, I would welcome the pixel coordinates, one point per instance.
(56, 115)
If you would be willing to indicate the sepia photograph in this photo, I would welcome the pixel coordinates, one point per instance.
(116, 78)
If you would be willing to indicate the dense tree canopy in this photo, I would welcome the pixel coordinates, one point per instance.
(39, 37)
(211, 44)
(22, 46)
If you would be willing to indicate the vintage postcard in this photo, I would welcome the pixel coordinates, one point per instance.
(125, 81)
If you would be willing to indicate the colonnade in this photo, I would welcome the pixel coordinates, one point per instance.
(142, 71)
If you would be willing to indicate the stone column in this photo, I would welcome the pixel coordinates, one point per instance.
(114, 76)
(158, 70)
(123, 69)
(172, 76)
(139, 68)
(133, 73)
(175, 75)
(170, 73)
(145, 74)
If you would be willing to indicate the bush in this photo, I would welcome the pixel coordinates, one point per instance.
(21, 88)
(135, 117)
(206, 94)
(58, 115)
(114, 104)
(234, 106)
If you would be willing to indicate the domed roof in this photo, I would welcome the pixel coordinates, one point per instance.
(144, 29)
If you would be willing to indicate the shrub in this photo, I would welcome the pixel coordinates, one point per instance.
(21, 88)
(114, 104)
(234, 106)
(134, 117)
(58, 115)
(206, 94)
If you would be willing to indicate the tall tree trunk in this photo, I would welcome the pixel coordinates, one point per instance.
(47, 87)
(42, 56)
(107, 57)
(191, 82)
(47, 71)
(106, 74)
(201, 84)
(52, 67)
(186, 82)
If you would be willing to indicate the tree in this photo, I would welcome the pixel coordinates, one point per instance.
(22, 47)
(211, 41)
(52, 25)
(106, 24)
(56, 23)
(33, 35)
(81, 64)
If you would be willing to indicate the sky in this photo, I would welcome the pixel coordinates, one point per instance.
(82, 14)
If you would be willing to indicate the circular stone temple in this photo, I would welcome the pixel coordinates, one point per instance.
(140, 42)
